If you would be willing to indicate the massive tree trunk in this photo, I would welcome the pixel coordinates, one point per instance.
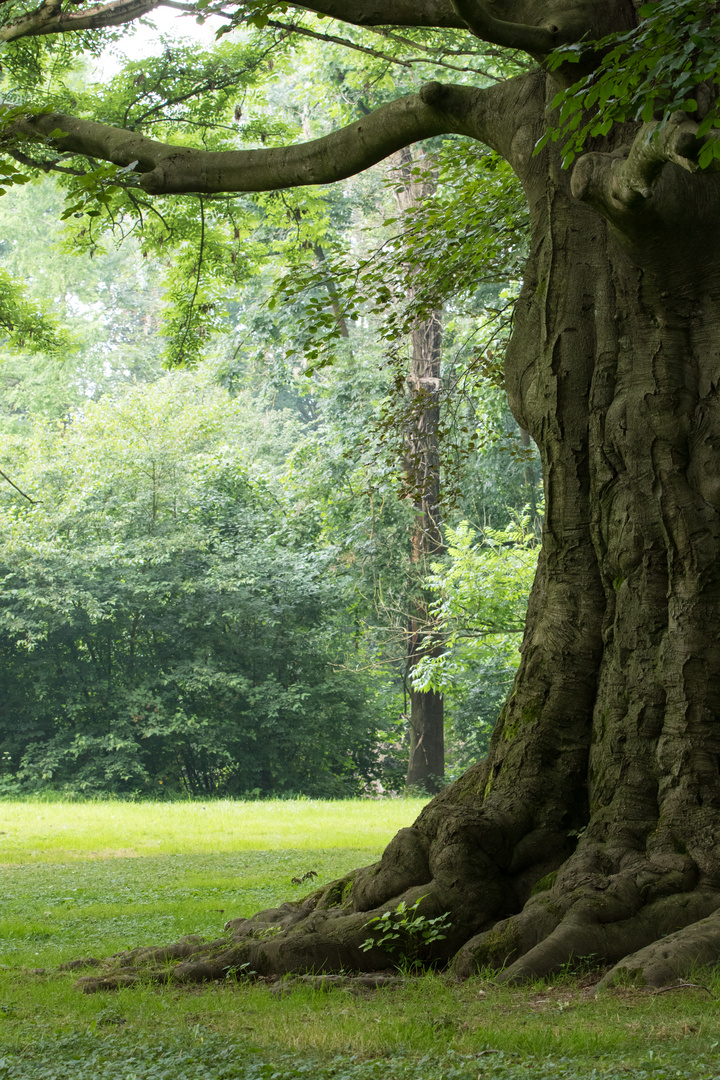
(592, 827)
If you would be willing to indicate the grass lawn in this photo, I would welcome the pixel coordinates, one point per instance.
(88, 879)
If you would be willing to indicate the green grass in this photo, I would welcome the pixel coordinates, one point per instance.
(96, 877)
(68, 888)
(44, 832)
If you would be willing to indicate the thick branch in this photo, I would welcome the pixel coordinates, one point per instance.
(616, 183)
(168, 169)
(48, 18)
(538, 28)
(536, 40)
(438, 13)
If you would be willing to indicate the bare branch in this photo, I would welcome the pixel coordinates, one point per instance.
(191, 9)
(295, 28)
(432, 53)
(49, 18)
(167, 169)
(407, 62)
(13, 484)
(46, 166)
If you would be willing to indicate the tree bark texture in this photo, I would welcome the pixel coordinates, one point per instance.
(426, 765)
(593, 826)
(426, 761)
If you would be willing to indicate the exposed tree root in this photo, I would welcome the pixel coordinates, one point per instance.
(671, 957)
(531, 944)
(649, 915)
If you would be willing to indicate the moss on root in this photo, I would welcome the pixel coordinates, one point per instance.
(544, 884)
(493, 949)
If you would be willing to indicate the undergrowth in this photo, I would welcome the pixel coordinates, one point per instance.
(215, 1059)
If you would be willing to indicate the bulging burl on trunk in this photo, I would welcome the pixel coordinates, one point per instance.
(592, 827)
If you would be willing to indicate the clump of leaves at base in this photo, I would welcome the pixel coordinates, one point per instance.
(669, 63)
(405, 931)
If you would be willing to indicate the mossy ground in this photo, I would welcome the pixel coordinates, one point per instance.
(53, 910)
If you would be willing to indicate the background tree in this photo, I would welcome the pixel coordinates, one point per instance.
(481, 593)
(66, 723)
(426, 765)
(165, 625)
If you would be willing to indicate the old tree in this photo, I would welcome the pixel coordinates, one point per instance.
(593, 826)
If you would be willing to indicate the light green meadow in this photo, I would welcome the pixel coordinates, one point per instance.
(44, 832)
(96, 877)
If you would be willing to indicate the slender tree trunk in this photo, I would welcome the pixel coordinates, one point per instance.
(426, 766)
(332, 293)
(426, 762)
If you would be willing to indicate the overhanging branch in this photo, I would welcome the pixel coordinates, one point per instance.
(538, 27)
(438, 13)
(49, 18)
(536, 40)
(167, 169)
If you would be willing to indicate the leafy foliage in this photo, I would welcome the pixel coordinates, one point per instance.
(286, 570)
(161, 626)
(93, 321)
(211, 1057)
(667, 64)
(476, 197)
(483, 588)
(405, 931)
(28, 324)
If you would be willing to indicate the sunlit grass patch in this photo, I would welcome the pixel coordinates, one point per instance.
(51, 912)
(39, 831)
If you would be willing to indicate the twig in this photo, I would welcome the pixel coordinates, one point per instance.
(682, 985)
(201, 251)
(12, 484)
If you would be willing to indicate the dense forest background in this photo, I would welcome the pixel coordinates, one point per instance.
(208, 490)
